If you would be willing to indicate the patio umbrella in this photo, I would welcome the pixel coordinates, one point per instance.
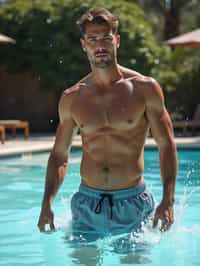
(191, 39)
(6, 39)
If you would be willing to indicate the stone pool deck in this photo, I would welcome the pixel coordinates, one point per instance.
(42, 143)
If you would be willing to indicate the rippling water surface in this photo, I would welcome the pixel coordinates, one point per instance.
(21, 190)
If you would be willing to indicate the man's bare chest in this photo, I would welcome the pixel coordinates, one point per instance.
(118, 108)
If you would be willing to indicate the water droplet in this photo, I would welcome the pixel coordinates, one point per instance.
(48, 21)
(133, 61)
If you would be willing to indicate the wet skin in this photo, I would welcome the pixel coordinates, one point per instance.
(114, 107)
(113, 127)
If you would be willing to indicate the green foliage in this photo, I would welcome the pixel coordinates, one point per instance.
(186, 95)
(188, 92)
(198, 15)
(177, 69)
(48, 40)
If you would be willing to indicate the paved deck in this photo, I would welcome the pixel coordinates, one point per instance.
(42, 143)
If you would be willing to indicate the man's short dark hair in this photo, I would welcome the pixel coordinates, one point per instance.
(100, 16)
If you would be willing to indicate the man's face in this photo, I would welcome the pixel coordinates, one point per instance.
(100, 44)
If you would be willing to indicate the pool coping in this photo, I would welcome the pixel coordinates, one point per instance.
(44, 143)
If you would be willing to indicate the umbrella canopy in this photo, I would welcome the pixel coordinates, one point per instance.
(188, 39)
(6, 39)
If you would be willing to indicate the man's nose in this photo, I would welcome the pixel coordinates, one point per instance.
(100, 49)
(100, 43)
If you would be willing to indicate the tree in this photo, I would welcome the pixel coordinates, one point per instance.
(171, 11)
(48, 42)
(198, 15)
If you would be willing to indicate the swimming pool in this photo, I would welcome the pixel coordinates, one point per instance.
(21, 243)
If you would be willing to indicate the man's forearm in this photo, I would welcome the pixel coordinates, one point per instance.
(168, 165)
(56, 171)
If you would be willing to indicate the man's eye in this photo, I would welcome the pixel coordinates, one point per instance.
(105, 39)
(92, 39)
(108, 38)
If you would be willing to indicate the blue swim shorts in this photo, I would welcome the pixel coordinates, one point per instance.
(105, 212)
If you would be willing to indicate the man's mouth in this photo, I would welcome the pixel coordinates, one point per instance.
(102, 54)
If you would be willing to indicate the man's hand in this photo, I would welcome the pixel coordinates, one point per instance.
(165, 213)
(46, 217)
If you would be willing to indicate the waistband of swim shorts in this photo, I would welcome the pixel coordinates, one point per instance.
(117, 194)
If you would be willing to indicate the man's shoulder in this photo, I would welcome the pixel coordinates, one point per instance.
(74, 89)
(129, 73)
(146, 85)
(145, 82)
(67, 97)
(149, 88)
(71, 90)
(137, 77)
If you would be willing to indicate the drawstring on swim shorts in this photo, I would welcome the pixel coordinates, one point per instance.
(110, 200)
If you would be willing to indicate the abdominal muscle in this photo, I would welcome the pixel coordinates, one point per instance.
(109, 163)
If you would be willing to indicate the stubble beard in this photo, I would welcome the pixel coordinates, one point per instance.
(103, 63)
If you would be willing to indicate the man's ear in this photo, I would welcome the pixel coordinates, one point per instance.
(83, 44)
(118, 40)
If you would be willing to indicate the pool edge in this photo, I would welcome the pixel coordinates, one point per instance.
(78, 146)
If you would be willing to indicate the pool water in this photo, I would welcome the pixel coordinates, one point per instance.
(21, 243)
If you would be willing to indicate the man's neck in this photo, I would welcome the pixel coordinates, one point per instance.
(104, 77)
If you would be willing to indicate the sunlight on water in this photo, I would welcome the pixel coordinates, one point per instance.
(135, 248)
(21, 243)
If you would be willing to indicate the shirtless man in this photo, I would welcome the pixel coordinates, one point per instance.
(114, 107)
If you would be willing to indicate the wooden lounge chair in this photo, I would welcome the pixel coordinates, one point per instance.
(14, 124)
(186, 124)
(2, 134)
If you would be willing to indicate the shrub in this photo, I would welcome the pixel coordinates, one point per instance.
(48, 41)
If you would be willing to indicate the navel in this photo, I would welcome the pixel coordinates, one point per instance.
(81, 125)
(130, 121)
(106, 171)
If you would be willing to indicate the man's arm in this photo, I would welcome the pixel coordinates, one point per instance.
(57, 163)
(162, 131)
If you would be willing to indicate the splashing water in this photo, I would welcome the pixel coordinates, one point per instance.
(21, 190)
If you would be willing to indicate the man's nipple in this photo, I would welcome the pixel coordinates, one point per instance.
(106, 169)
(130, 121)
